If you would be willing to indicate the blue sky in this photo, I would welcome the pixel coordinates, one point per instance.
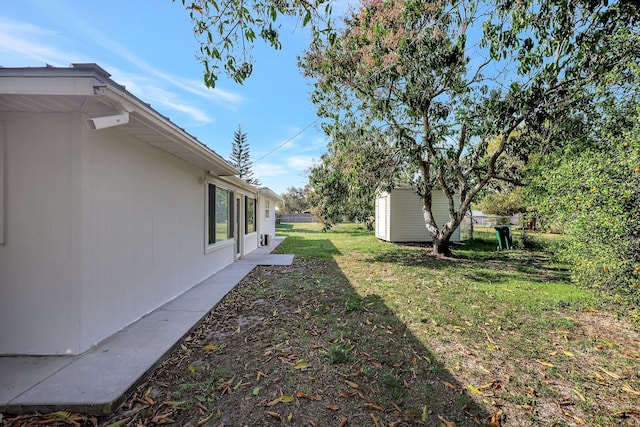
(149, 46)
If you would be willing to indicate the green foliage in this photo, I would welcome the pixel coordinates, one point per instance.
(407, 67)
(226, 30)
(391, 386)
(384, 72)
(354, 304)
(355, 168)
(295, 200)
(594, 196)
(338, 354)
(241, 158)
(504, 204)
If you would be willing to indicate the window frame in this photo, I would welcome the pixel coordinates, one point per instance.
(213, 228)
(250, 218)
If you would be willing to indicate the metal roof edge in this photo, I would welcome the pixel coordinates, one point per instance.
(241, 183)
(74, 70)
(272, 194)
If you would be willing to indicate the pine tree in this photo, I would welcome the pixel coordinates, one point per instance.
(241, 158)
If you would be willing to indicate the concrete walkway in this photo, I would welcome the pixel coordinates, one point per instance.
(99, 380)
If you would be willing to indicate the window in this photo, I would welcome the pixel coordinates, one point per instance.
(219, 212)
(222, 214)
(250, 215)
(266, 209)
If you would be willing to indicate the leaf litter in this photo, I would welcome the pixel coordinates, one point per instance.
(273, 369)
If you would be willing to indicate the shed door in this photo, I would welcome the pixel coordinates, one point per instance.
(381, 218)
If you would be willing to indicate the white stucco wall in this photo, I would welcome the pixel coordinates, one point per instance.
(39, 290)
(267, 219)
(250, 242)
(143, 231)
(402, 211)
(100, 229)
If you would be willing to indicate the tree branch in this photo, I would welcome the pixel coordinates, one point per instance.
(513, 181)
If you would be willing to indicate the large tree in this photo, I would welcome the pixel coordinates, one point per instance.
(241, 156)
(295, 200)
(447, 77)
(356, 166)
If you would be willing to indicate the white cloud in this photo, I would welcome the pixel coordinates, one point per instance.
(21, 42)
(291, 164)
(261, 170)
(218, 96)
(300, 163)
(317, 143)
(146, 88)
(300, 140)
(169, 102)
(291, 142)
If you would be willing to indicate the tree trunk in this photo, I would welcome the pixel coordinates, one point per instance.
(440, 235)
(369, 223)
(441, 246)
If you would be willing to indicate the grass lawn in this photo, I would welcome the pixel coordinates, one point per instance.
(515, 336)
(359, 332)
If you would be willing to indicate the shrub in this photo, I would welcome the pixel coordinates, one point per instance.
(596, 197)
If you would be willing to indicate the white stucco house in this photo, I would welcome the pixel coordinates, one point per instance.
(267, 217)
(107, 210)
(399, 216)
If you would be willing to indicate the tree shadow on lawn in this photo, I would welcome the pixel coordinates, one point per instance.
(315, 228)
(299, 227)
(284, 226)
(533, 266)
(299, 345)
(480, 262)
(358, 231)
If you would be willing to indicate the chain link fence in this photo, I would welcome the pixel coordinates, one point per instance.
(296, 218)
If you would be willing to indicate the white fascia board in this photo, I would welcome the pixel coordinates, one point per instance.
(241, 183)
(93, 82)
(17, 85)
(75, 80)
(267, 192)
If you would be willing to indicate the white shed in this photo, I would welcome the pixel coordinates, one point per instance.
(108, 210)
(399, 216)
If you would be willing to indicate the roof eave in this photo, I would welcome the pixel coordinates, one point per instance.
(216, 164)
(87, 82)
(266, 191)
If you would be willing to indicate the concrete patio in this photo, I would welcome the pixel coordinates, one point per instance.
(99, 380)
